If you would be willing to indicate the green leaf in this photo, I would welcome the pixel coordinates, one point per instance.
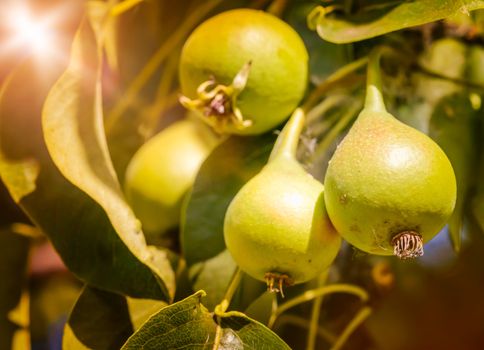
(106, 25)
(99, 320)
(261, 308)
(223, 173)
(374, 22)
(454, 127)
(213, 276)
(240, 330)
(14, 313)
(142, 309)
(188, 324)
(446, 57)
(78, 227)
(221, 176)
(124, 139)
(427, 91)
(104, 320)
(73, 120)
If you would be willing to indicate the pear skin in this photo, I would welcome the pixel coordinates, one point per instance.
(277, 223)
(276, 227)
(163, 170)
(387, 178)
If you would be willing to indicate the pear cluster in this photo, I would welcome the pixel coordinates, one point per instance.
(388, 189)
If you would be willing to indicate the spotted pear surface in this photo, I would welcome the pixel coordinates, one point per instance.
(387, 178)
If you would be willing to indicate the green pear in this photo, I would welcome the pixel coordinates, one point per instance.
(276, 227)
(163, 170)
(388, 188)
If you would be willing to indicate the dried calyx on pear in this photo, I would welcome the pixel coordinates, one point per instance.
(243, 71)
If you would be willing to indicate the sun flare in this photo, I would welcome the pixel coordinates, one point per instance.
(30, 32)
(26, 32)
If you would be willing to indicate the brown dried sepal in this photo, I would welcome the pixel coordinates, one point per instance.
(407, 245)
(276, 282)
(216, 104)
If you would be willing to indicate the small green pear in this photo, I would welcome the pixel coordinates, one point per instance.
(162, 171)
(388, 188)
(276, 227)
(243, 71)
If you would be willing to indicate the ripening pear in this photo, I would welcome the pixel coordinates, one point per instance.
(388, 188)
(276, 227)
(163, 170)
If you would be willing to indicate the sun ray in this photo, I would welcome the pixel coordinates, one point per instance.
(32, 32)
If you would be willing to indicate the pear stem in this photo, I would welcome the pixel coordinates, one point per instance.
(233, 285)
(315, 314)
(288, 139)
(221, 308)
(360, 317)
(374, 98)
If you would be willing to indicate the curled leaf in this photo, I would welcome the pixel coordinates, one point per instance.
(368, 24)
(74, 134)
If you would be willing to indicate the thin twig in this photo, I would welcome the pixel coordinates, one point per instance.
(234, 284)
(313, 325)
(340, 125)
(315, 312)
(338, 75)
(163, 97)
(314, 293)
(224, 304)
(360, 317)
(324, 106)
(123, 7)
(458, 81)
(277, 7)
(303, 323)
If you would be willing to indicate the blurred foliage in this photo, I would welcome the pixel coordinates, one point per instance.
(14, 310)
(52, 296)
